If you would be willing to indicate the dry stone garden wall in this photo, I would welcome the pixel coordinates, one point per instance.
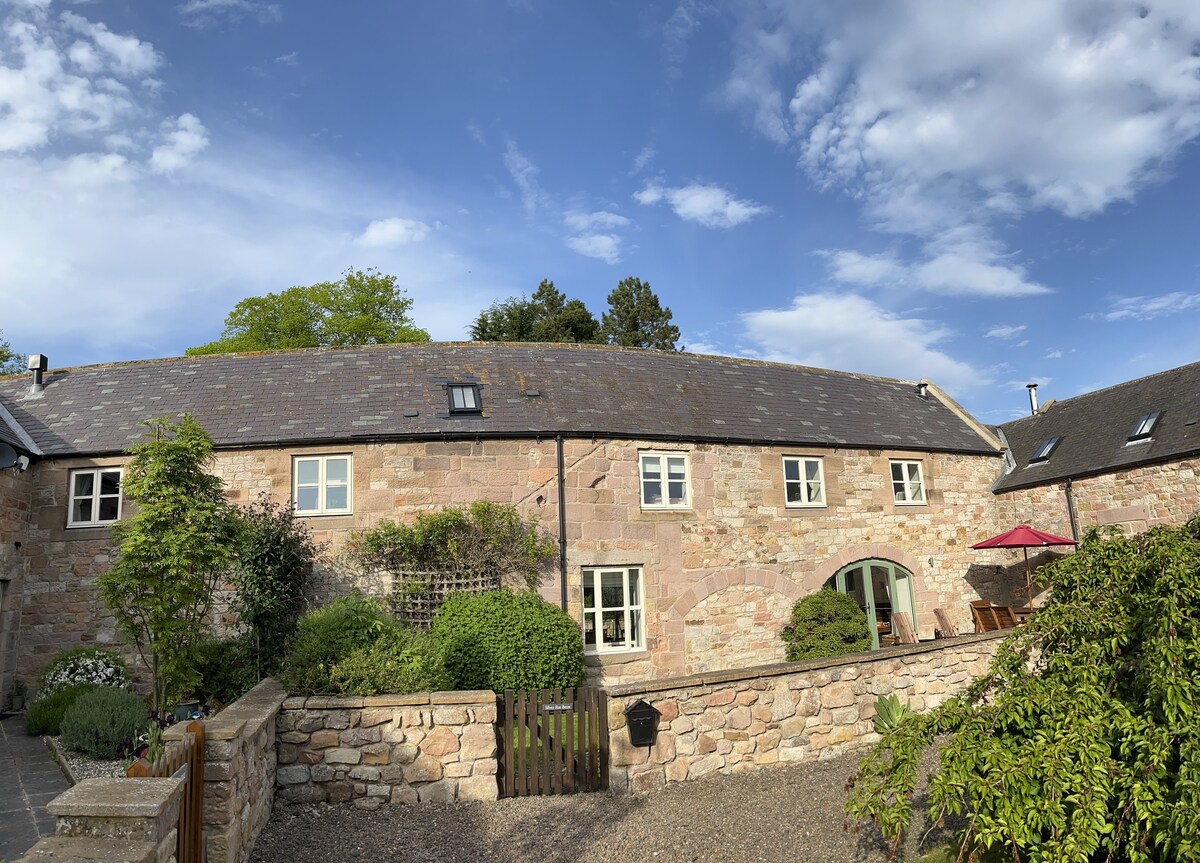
(744, 720)
(437, 746)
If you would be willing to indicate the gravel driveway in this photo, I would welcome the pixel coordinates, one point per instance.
(785, 814)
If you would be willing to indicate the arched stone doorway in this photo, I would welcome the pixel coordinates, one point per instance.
(881, 588)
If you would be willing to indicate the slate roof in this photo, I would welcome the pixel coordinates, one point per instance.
(1095, 427)
(397, 391)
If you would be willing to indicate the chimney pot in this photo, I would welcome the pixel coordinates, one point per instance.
(923, 389)
(1033, 401)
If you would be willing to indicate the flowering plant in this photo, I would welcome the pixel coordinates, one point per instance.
(83, 665)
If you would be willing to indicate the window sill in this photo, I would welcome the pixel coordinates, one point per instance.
(911, 502)
(89, 531)
(616, 657)
(805, 506)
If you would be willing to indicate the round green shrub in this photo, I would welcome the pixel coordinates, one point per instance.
(399, 661)
(83, 665)
(226, 667)
(504, 640)
(328, 635)
(100, 721)
(826, 623)
(45, 715)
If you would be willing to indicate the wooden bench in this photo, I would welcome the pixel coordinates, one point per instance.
(990, 618)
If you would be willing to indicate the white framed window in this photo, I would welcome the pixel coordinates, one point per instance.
(803, 481)
(95, 497)
(664, 480)
(908, 486)
(612, 609)
(464, 398)
(321, 484)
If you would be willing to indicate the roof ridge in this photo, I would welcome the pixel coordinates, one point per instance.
(583, 346)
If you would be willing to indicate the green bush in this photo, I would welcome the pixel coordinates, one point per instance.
(328, 635)
(505, 640)
(226, 668)
(45, 715)
(400, 661)
(101, 721)
(826, 623)
(92, 665)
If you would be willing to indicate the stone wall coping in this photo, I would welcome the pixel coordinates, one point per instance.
(709, 678)
(248, 714)
(117, 798)
(416, 699)
(64, 849)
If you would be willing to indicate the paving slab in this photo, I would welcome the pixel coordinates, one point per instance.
(31, 780)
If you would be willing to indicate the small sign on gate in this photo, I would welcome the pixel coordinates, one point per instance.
(557, 708)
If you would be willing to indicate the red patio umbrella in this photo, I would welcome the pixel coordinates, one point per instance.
(1025, 537)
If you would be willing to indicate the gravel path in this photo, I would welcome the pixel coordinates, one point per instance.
(786, 814)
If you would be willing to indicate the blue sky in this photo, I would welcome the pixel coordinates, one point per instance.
(981, 194)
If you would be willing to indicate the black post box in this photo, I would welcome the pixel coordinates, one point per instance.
(642, 720)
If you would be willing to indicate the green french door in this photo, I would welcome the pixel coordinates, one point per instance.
(881, 588)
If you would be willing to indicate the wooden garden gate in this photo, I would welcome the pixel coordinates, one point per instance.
(552, 741)
(184, 760)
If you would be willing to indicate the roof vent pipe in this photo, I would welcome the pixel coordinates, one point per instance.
(1033, 405)
(923, 389)
(38, 365)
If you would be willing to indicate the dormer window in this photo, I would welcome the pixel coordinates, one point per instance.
(464, 398)
(1144, 427)
(1044, 450)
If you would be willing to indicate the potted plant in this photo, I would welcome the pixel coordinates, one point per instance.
(18, 696)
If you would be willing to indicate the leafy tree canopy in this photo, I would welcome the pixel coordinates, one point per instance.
(362, 308)
(171, 554)
(10, 360)
(636, 319)
(547, 316)
(1082, 742)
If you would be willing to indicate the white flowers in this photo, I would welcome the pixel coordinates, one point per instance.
(83, 665)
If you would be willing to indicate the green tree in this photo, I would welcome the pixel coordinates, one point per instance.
(547, 316)
(276, 558)
(636, 319)
(171, 554)
(10, 360)
(1082, 742)
(361, 308)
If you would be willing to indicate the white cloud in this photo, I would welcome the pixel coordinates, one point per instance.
(91, 170)
(606, 247)
(393, 232)
(53, 83)
(707, 205)
(207, 13)
(477, 134)
(184, 138)
(941, 115)
(127, 56)
(644, 157)
(1006, 332)
(852, 333)
(960, 261)
(292, 58)
(578, 221)
(1148, 308)
(594, 235)
(525, 176)
(1054, 355)
(678, 32)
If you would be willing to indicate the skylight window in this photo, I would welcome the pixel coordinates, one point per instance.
(1044, 450)
(464, 398)
(1144, 427)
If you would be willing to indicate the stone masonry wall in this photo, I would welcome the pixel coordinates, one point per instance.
(745, 720)
(239, 772)
(389, 748)
(737, 552)
(16, 498)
